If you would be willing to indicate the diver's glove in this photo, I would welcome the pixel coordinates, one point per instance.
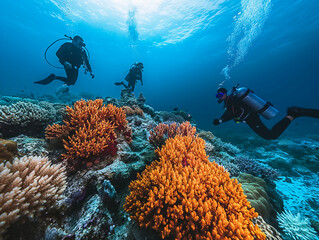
(217, 121)
(92, 75)
(67, 65)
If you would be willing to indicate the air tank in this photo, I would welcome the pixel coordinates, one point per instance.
(256, 103)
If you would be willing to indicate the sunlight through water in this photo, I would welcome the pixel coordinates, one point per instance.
(162, 22)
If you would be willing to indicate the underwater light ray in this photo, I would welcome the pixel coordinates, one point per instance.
(248, 25)
(158, 21)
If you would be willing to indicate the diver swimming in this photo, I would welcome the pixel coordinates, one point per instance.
(135, 74)
(243, 105)
(72, 56)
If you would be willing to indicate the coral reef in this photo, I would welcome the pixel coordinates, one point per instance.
(8, 149)
(270, 231)
(28, 186)
(253, 167)
(18, 117)
(255, 190)
(295, 227)
(90, 130)
(91, 207)
(164, 116)
(134, 110)
(163, 131)
(31, 146)
(184, 196)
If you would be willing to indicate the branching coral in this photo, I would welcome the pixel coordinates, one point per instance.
(184, 196)
(90, 129)
(28, 186)
(162, 131)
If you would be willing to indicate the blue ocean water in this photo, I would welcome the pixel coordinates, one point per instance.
(268, 46)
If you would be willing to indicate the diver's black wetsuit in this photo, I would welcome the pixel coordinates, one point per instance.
(76, 56)
(134, 75)
(241, 112)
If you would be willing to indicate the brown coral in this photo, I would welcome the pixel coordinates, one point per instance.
(184, 196)
(134, 110)
(163, 131)
(8, 149)
(28, 186)
(90, 129)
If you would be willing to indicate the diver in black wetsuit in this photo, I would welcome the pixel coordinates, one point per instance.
(134, 74)
(71, 56)
(241, 112)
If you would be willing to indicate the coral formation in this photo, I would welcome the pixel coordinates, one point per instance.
(184, 196)
(134, 110)
(27, 118)
(28, 186)
(255, 190)
(25, 113)
(90, 129)
(295, 227)
(164, 116)
(270, 231)
(162, 131)
(8, 149)
(252, 167)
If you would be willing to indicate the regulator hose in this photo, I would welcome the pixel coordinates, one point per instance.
(66, 39)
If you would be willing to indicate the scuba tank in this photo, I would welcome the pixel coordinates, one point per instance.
(257, 104)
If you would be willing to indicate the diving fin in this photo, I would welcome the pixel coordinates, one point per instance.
(119, 83)
(47, 80)
(303, 112)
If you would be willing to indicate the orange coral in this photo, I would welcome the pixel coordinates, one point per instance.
(89, 130)
(163, 131)
(56, 131)
(184, 196)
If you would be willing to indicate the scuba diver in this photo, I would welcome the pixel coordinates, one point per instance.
(71, 56)
(134, 74)
(243, 105)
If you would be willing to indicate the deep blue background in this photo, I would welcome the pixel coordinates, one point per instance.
(282, 65)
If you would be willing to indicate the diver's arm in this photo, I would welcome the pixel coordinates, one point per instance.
(228, 115)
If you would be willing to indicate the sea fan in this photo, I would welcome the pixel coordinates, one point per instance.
(295, 227)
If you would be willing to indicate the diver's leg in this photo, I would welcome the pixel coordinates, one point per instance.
(121, 83)
(302, 112)
(63, 79)
(72, 75)
(47, 80)
(131, 85)
(257, 125)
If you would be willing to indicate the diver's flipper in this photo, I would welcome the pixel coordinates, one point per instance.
(46, 80)
(303, 112)
(119, 83)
